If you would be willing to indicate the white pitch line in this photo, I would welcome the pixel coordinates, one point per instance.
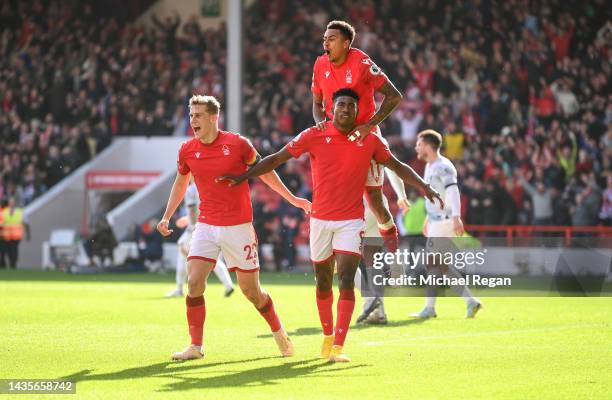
(489, 333)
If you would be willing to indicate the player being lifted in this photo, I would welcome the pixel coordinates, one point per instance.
(225, 221)
(339, 173)
(441, 174)
(345, 66)
(192, 201)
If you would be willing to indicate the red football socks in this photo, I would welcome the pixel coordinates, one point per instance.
(346, 305)
(269, 314)
(196, 314)
(325, 301)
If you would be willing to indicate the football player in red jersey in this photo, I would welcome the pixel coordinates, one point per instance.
(339, 173)
(345, 66)
(225, 220)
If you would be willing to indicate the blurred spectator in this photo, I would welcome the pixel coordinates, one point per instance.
(541, 199)
(606, 203)
(150, 244)
(101, 244)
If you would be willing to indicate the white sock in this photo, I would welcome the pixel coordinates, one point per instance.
(367, 301)
(181, 271)
(223, 274)
(358, 279)
(461, 290)
(430, 302)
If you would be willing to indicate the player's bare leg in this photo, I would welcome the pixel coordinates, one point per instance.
(386, 224)
(197, 275)
(347, 266)
(324, 274)
(250, 287)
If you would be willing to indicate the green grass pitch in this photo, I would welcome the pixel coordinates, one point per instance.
(114, 334)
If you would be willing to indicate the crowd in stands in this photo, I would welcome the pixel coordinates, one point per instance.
(74, 75)
(520, 90)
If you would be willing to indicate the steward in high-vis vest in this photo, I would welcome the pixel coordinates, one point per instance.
(12, 230)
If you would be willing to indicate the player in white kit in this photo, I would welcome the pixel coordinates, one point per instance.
(373, 311)
(192, 201)
(441, 174)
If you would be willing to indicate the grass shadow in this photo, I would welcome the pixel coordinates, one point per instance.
(256, 376)
(307, 331)
(272, 375)
(154, 370)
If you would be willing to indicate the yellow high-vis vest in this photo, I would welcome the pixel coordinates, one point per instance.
(13, 224)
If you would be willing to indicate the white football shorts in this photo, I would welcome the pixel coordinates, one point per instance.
(329, 237)
(237, 242)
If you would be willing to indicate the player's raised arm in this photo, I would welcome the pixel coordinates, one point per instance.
(179, 187)
(409, 176)
(392, 99)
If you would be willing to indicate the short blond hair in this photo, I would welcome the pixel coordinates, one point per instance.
(431, 137)
(211, 103)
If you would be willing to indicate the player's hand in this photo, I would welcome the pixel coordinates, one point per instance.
(321, 124)
(162, 227)
(432, 194)
(458, 226)
(233, 180)
(360, 132)
(403, 205)
(304, 204)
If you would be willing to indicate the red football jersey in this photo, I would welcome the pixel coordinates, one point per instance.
(229, 154)
(339, 170)
(357, 72)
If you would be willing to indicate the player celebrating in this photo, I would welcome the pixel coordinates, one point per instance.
(339, 173)
(191, 203)
(345, 66)
(441, 174)
(225, 221)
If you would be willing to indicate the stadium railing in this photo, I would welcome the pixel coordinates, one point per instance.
(526, 231)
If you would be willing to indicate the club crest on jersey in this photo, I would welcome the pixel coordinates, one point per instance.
(197, 154)
(374, 70)
(328, 139)
(225, 150)
(349, 76)
(326, 74)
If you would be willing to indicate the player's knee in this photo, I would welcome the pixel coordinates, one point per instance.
(195, 287)
(324, 285)
(346, 281)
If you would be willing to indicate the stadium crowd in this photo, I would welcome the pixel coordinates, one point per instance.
(520, 90)
(73, 75)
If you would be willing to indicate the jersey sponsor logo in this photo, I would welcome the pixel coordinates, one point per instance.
(197, 154)
(328, 139)
(225, 150)
(326, 74)
(374, 70)
(349, 76)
